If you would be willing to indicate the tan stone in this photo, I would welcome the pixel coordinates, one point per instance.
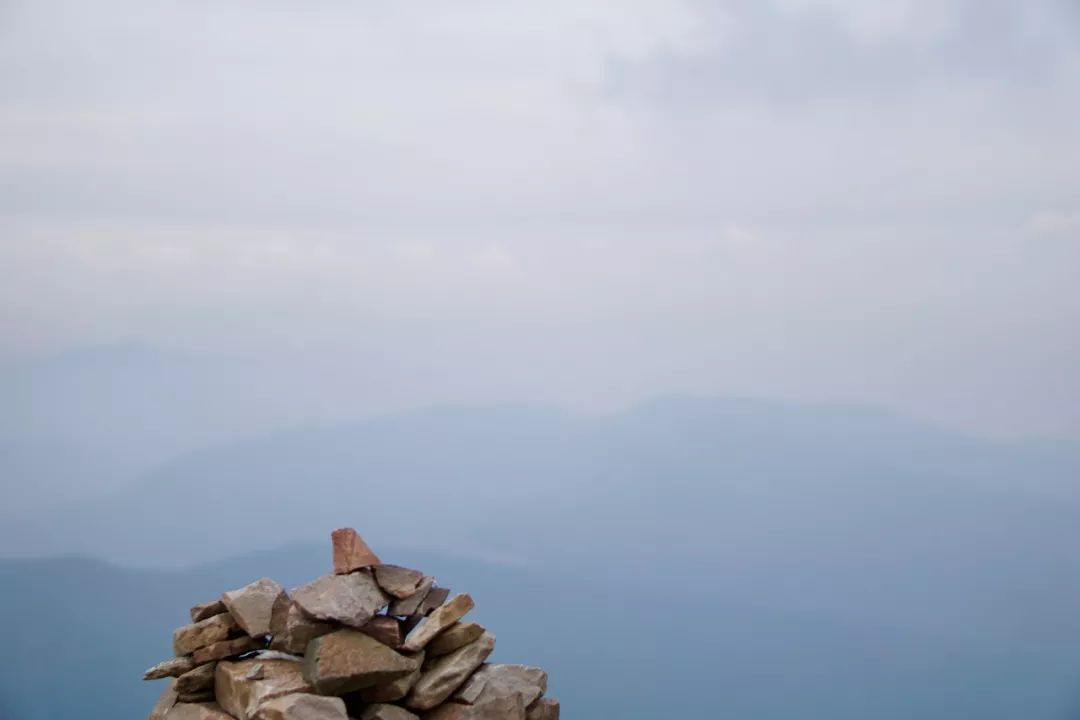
(503, 708)
(297, 631)
(196, 697)
(497, 680)
(190, 638)
(394, 690)
(411, 605)
(457, 635)
(543, 709)
(443, 617)
(385, 629)
(199, 679)
(448, 673)
(165, 702)
(173, 667)
(303, 707)
(197, 711)
(347, 599)
(242, 687)
(346, 660)
(205, 610)
(382, 711)
(400, 582)
(351, 552)
(254, 605)
(226, 649)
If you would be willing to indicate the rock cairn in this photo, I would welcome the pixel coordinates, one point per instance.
(368, 641)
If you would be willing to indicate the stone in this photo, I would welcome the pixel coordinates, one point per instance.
(297, 630)
(242, 687)
(226, 649)
(448, 673)
(197, 680)
(205, 610)
(382, 711)
(347, 599)
(190, 638)
(457, 635)
(253, 606)
(303, 707)
(394, 690)
(400, 582)
(197, 711)
(385, 629)
(496, 680)
(443, 617)
(543, 709)
(346, 660)
(503, 708)
(411, 605)
(173, 667)
(433, 600)
(196, 697)
(165, 702)
(351, 552)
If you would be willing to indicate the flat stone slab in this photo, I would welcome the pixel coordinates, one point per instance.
(399, 582)
(205, 610)
(347, 660)
(173, 667)
(448, 673)
(297, 631)
(254, 605)
(197, 680)
(443, 617)
(347, 599)
(457, 635)
(506, 708)
(189, 638)
(492, 681)
(226, 649)
(394, 690)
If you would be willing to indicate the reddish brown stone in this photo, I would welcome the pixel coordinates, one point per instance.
(385, 629)
(226, 649)
(346, 660)
(351, 552)
(434, 599)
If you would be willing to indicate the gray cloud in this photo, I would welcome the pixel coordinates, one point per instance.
(587, 205)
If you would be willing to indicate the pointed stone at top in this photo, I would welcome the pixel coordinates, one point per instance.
(351, 552)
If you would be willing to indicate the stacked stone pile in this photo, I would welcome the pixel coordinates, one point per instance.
(368, 641)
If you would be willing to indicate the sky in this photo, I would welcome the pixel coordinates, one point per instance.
(402, 203)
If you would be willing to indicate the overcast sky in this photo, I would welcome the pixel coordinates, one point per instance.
(581, 203)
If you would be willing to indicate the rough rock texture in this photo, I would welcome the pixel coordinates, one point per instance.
(347, 599)
(346, 660)
(382, 711)
(492, 681)
(448, 673)
(394, 690)
(543, 709)
(197, 711)
(197, 680)
(457, 635)
(351, 552)
(504, 708)
(411, 605)
(400, 582)
(297, 630)
(303, 707)
(205, 610)
(165, 702)
(242, 687)
(443, 617)
(226, 649)
(385, 629)
(190, 638)
(174, 667)
(253, 606)
(433, 600)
